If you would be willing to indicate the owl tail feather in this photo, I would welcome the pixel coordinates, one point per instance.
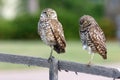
(104, 55)
(59, 49)
(60, 45)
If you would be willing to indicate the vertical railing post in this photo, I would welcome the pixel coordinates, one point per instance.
(53, 69)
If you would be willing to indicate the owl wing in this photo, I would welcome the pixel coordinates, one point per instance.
(58, 33)
(44, 30)
(83, 38)
(98, 39)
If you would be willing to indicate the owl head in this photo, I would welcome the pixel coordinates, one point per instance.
(48, 13)
(86, 21)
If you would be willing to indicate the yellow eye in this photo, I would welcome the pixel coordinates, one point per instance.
(44, 12)
(52, 12)
(85, 22)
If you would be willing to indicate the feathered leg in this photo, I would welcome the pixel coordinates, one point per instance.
(91, 58)
(49, 59)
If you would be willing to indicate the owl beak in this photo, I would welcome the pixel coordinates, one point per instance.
(85, 22)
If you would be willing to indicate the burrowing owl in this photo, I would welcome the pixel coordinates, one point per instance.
(51, 31)
(92, 37)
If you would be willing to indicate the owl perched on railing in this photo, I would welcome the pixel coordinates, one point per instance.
(92, 37)
(51, 31)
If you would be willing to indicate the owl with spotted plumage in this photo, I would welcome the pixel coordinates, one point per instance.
(51, 31)
(92, 37)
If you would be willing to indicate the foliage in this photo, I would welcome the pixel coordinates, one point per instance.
(108, 27)
(26, 27)
(7, 30)
(23, 27)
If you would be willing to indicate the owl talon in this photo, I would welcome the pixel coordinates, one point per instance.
(89, 64)
(50, 59)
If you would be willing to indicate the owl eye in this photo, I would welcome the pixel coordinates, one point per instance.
(52, 12)
(81, 22)
(44, 12)
(85, 22)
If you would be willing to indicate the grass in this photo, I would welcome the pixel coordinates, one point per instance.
(74, 52)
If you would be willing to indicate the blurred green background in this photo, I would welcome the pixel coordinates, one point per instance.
(19, 20)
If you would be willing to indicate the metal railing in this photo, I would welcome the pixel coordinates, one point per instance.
(55, 65)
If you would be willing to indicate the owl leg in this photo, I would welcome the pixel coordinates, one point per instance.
(91, 58)
(49, 59)
(51, 51)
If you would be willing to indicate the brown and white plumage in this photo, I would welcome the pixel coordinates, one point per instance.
(51, 31)
(92, 37)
